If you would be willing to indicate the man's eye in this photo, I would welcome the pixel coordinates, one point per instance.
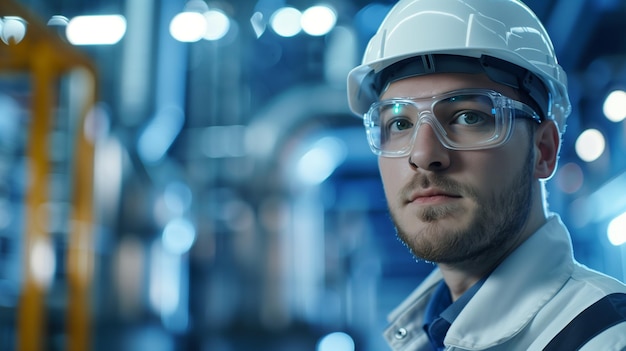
(399, 124)
(469, 118)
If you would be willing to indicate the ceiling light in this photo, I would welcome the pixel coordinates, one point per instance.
(96, 30)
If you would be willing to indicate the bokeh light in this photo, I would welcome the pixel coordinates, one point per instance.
(96, 30)
(318, 20)
(317, 164)
(286, 22)
(188, 27)
(178, 236)
(217, 24)
(570, 178)
(590, 145)
(617, 230)
(337, 341)
(177, 197)
(614, 107)
(43, 262)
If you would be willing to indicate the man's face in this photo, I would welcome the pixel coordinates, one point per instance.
(452, 206)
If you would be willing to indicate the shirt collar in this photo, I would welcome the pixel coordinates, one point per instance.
(455, 309)
(441, 312)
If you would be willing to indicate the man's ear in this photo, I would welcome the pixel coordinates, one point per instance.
(547, 144)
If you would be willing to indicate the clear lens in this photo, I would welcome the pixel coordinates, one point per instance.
(462, 120)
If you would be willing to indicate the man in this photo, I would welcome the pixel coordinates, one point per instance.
(464, 103)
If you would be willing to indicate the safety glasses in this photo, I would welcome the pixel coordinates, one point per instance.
(468, 119)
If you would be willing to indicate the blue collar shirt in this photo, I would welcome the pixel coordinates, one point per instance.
(441, 312)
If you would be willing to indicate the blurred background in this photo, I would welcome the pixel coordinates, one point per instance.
(187, 175)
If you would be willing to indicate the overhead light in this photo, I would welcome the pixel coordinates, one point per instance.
(12, 29)
(318, 20)
(96, 30)
(188, 26)
(58, 20)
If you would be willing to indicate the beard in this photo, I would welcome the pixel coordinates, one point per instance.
(499, 217)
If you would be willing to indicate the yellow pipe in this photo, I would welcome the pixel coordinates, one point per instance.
(46, 58)
(32, 311)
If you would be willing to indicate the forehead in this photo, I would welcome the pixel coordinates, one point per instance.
(440, 83)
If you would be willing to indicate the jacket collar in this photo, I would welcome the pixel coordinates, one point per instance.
(531, 275)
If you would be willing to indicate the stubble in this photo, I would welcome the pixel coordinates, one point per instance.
(498, 218)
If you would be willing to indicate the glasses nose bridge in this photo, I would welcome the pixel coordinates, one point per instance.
(425, 111)
(427, 116)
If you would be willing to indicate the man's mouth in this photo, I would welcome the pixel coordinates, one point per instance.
(432, 196)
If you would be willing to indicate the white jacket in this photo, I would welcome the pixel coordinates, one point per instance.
(523, 304)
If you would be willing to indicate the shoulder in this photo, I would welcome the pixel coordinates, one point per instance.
(603, 323)
(584, 288)
(611, 339)
(585, 280)
(589, 307)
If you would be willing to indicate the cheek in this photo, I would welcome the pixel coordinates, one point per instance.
(392, 172)
(489, 171)
(500, 168)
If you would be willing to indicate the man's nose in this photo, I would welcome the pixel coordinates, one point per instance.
(428, 152)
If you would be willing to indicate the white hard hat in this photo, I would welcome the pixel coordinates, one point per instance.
(490, 33)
